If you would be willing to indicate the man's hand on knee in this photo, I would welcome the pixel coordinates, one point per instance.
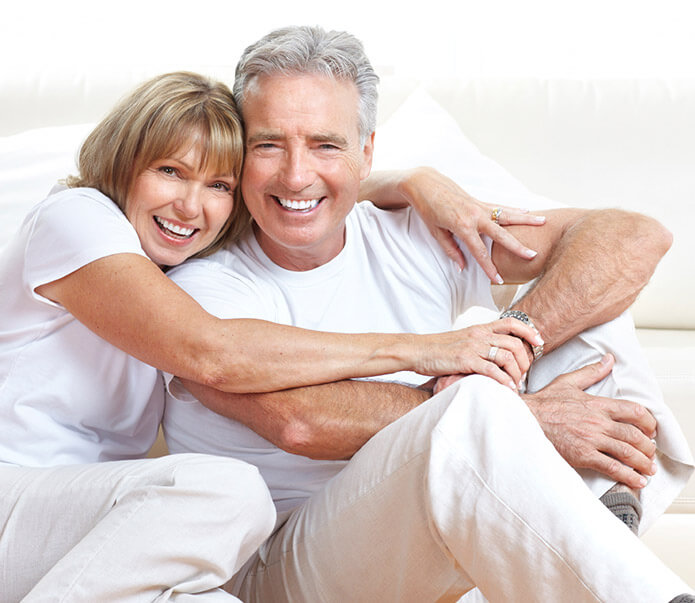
(611, 436)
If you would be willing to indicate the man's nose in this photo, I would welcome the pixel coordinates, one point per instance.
(297, 171)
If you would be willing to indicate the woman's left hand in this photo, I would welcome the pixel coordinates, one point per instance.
(448, 210)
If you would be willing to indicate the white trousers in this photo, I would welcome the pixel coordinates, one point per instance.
(466, 490)
(148, 530)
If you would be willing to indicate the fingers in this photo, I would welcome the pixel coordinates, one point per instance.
(590, 374)
(503, 237)
(517, 328)
(633, 414)
(478, 249)
(512, 216)
(615, 470)
(507, 360)
(447, 242)
(444, 382)
(633, 449)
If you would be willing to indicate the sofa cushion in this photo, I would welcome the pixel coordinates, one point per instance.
(30, 164)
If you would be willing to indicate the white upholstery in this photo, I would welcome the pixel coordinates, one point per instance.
(625, 143)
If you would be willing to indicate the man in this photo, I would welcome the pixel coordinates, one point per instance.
(441, 494)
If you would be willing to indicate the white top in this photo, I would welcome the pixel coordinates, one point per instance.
(66, 395)
(391, 276)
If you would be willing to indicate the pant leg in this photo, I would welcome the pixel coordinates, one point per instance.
(457, 493)
(129, 531)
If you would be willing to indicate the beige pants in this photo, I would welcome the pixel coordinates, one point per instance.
(466, 490)
(148, 530)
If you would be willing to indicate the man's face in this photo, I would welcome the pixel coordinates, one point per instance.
(303, 165)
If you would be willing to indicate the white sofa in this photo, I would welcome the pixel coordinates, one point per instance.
(625, 143)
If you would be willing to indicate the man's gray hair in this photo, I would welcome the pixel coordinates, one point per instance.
(312, 50)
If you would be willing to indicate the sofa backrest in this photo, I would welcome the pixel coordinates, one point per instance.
(592, 143)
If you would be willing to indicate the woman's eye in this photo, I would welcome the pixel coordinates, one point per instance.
(167, 169)
(221, 186)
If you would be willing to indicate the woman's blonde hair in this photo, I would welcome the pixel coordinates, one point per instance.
(159, 118)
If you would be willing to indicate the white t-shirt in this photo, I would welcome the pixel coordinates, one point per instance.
(391, 276)
(66, 395)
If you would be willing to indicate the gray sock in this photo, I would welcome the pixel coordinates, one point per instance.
(625, 507)
(683, 599)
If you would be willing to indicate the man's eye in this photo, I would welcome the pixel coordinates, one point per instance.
(328, 147)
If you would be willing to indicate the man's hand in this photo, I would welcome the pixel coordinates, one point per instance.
(613, 437)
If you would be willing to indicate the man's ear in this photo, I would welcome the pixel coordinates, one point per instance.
(367, 156)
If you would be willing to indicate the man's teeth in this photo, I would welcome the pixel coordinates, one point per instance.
(182, 231)
(303, 205)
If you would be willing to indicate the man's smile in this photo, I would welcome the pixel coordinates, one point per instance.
(302, 205)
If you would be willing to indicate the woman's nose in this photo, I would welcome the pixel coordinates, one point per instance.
(189, 200)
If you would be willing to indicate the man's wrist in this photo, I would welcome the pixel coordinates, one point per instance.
(536, 350)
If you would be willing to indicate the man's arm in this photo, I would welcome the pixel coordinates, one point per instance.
(331, 421)
(592, 265)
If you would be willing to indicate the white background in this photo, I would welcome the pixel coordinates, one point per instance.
(591, 38)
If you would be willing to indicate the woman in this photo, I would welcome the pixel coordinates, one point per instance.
(87, 312)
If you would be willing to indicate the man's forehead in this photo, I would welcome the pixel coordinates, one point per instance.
(313, 106)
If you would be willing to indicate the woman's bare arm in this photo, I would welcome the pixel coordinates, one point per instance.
(132, 304)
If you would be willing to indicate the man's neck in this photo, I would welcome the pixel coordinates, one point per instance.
(298, 259)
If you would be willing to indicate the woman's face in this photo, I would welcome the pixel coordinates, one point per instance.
(177, 209)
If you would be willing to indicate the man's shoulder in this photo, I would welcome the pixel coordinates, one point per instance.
(375, 221)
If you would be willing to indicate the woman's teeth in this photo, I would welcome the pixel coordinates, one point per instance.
(181, 231)
(297, 205)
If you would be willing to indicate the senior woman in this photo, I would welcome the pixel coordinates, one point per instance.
(87, 317)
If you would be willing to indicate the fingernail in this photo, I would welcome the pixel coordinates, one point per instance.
(530, 253)
(604, 359)
(499, 280)
(642, 480)
(654, 468)
(539, 219)
(538, 340)
(511, 384)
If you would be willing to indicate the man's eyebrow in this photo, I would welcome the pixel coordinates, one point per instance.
(264, 135)
(269, 135)
(336, 139)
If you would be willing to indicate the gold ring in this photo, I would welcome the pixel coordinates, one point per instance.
(492, 353)
(496, 215)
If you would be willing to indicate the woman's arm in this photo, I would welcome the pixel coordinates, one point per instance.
(448, 210)
(129, 302)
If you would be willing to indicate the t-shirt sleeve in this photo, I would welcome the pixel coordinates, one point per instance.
(72, 229)
(222, 291)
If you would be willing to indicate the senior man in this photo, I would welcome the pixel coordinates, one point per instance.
(440, 494)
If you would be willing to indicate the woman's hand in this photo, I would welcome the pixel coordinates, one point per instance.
(448, 210)
(496, 350)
